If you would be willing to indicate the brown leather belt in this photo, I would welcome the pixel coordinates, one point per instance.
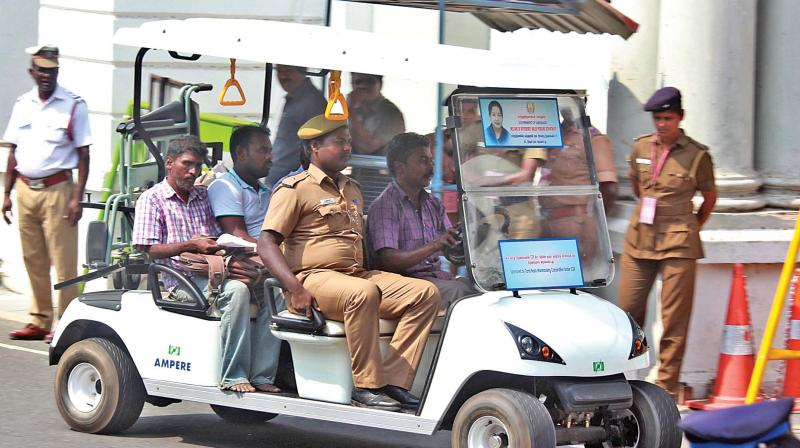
(44, 182)
(565, 211)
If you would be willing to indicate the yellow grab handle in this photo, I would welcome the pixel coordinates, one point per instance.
(232, 82)
(334, 96)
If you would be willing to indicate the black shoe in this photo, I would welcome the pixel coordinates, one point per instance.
(404, 397)
(373, 398)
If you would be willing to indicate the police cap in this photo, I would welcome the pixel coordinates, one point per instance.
(44, 56)
(318, 126)
(667, 98)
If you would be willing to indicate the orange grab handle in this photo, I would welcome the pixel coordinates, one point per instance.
(232, 82)
(334, 96)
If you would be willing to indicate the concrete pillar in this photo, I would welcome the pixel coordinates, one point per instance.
(707, 50)
(633, 78)
(777, 157)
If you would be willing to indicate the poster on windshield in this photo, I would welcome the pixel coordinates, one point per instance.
(520, 123)
(541, 263)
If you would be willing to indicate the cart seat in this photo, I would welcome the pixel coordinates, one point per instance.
(335, 328)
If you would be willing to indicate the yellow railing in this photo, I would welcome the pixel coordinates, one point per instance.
(766, 352)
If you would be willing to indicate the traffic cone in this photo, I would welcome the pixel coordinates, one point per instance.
(736, 358)
(791, 381)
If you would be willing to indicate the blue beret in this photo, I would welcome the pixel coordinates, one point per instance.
(667, 98)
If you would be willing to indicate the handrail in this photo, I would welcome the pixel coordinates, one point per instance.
(766, 352)
(232, 82)
(334, 96)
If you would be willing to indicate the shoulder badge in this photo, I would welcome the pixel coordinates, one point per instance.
(292, 181)
(643, 136)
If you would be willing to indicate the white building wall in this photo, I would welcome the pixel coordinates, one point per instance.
(18, 29)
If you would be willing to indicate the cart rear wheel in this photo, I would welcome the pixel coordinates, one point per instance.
(242, 416)
(503, 418)
(98, 389)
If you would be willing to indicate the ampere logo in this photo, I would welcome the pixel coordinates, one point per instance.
(172, 364)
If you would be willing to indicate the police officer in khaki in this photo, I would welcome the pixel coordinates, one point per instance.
(575, 215)
(49, 136)
(317, 218)
(666, 169)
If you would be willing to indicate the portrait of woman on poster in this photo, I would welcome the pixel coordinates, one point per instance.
(496, 134)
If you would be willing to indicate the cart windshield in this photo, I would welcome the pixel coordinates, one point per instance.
(530, 201)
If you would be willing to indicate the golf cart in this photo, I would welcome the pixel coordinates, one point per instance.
(534, 360)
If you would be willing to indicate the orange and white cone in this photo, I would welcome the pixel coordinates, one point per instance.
(736, 357)
(791, 381)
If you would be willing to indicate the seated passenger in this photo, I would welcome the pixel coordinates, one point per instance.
(174, 217)
(239, 202)
(374, 120)
(238, 198)
(408, 227)
(317, 217)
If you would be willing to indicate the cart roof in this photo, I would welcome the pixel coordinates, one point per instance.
(347, 50)
(579, 16)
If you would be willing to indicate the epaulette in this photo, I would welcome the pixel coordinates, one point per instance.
(354, 181)
(701, 146)
(292, 181)
(642, 136)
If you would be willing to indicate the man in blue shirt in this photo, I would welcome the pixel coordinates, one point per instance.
(238, 198)
(239, 201)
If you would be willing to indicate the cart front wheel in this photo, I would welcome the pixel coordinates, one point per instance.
(503, 418)
(98, 389)
(652, 420)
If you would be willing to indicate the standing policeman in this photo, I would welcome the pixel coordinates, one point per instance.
(666, 169)
(49, 136)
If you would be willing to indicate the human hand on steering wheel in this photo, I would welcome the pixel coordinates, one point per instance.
(449, 239)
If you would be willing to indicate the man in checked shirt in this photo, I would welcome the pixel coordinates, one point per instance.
(173, 217)
(408, 227)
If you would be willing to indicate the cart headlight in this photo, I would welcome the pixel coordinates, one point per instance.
(532, 348)
(639, 343)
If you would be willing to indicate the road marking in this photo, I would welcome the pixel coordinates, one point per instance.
(24, 349)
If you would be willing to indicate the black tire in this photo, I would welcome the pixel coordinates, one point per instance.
(242, 416)
(126, 281)
(521, 421)
(113, 400)
(654, 422)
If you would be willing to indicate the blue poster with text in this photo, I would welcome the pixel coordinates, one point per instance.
(520, 123)
(541, 263)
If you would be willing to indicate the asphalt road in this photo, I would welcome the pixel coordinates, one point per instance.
(29, 418)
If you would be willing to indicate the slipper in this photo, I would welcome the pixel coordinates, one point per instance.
(268, 388)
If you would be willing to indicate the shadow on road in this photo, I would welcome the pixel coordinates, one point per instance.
(209, 430)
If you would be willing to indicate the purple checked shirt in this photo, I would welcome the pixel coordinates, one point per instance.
(163, 218)
(393, 223)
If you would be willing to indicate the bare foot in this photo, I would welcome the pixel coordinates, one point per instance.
(268, 388)
(242, 388)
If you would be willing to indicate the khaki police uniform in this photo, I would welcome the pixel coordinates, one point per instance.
(670, 246)
(321, 220)
(574, 215)
(46, 136)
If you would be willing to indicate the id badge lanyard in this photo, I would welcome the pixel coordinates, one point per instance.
(647, 213)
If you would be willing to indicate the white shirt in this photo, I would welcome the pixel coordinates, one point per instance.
(231, 196)
(39, 130)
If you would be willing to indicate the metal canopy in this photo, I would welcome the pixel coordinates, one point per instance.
(347, 50)
(579, 16)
